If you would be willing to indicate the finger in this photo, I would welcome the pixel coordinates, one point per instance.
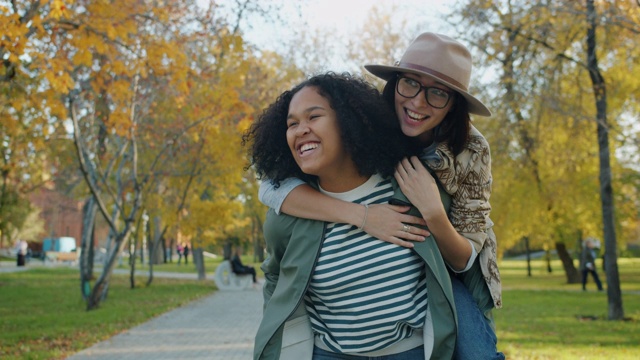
(400, 168)
(416, 163)
(401, 242)
(407, 164)
(410, 219)
(416, 234)
(413, 233)
(406, 236)
(402, 209)
(398, 177)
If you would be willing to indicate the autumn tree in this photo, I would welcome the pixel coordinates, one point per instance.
(234, 81)
(143, 99)
(27, 110)
(545, 168)
(383, 46)
(118, 55)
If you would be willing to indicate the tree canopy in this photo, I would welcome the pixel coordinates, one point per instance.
(140, 106)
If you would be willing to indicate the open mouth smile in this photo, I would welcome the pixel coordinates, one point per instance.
(304, 148)
(414, 115)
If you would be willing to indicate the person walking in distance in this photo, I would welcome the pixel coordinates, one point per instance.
(22, 248)
(185, 252)
(179, 251)
(588, 264)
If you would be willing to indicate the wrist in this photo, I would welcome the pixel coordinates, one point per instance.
(364, 218)
(431, 216)
(352, 214)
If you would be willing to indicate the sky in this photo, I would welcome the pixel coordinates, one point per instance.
(341, 17)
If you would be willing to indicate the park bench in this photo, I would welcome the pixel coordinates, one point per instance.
(54, 256)
(226, 279)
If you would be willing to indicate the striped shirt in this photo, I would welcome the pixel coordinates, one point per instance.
(365, 294)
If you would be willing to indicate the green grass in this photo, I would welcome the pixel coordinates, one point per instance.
(543, 317)
(210, 265)
(43, 317)
(42, 314)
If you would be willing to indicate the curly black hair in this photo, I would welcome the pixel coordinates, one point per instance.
(454, 128)
(375, 143)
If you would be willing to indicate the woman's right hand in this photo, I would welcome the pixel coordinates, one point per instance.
(390, 224)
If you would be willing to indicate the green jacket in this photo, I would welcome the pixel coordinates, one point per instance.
(294, 245)
(473, 279)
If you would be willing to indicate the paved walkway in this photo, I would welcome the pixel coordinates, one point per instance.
(221, 326)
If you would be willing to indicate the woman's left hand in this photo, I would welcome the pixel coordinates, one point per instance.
(419, 187)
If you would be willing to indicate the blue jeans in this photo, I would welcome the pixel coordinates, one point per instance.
(413, 354)
(476, 338)
(593, 272)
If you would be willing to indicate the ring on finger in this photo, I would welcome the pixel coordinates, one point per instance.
(406, 228)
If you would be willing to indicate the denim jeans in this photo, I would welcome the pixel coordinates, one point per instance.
(585, 273)
(413, 354)
(476, 338)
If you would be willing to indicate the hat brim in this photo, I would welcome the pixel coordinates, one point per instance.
(387, 73)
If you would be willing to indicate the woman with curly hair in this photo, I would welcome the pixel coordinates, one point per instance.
(429, 90)
(332, 290)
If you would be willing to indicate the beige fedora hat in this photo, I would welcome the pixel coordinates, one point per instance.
(441, 58)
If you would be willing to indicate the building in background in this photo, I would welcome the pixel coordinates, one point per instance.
(62, 216)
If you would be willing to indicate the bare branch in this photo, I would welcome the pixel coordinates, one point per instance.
(84, 166)
(170, 143)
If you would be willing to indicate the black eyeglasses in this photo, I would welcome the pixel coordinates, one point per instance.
(410, 88)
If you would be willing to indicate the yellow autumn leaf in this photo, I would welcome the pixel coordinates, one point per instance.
(58, 9)
(244, 124)
(59, 82)
(83, 58)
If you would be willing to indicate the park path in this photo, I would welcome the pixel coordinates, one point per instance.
(220, 326)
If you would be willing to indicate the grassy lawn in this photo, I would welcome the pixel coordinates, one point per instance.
(210, 265)
(42, 314)
(43, 317)
(543, 317)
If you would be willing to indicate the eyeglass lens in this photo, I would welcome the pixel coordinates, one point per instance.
(409, 88)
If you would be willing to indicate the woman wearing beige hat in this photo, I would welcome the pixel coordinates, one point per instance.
(429, 90)
(332, 291)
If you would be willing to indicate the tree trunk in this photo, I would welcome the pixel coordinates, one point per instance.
(172, 245)
(528, 252)
(614, 295)
(198, 259)
(156, 245)
(132, 261)
(547, 255)
(86, 246)
(158, 256)
(573, 276)
(227, 250)
(132, 254)
(258, 250)
(101, 287)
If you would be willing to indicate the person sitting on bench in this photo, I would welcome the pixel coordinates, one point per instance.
(240, 269)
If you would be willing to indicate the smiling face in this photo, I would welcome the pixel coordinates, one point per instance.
(416, 117)
(313, 135)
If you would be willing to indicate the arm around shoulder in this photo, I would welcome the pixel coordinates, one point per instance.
(325, 208)
(273, 196)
